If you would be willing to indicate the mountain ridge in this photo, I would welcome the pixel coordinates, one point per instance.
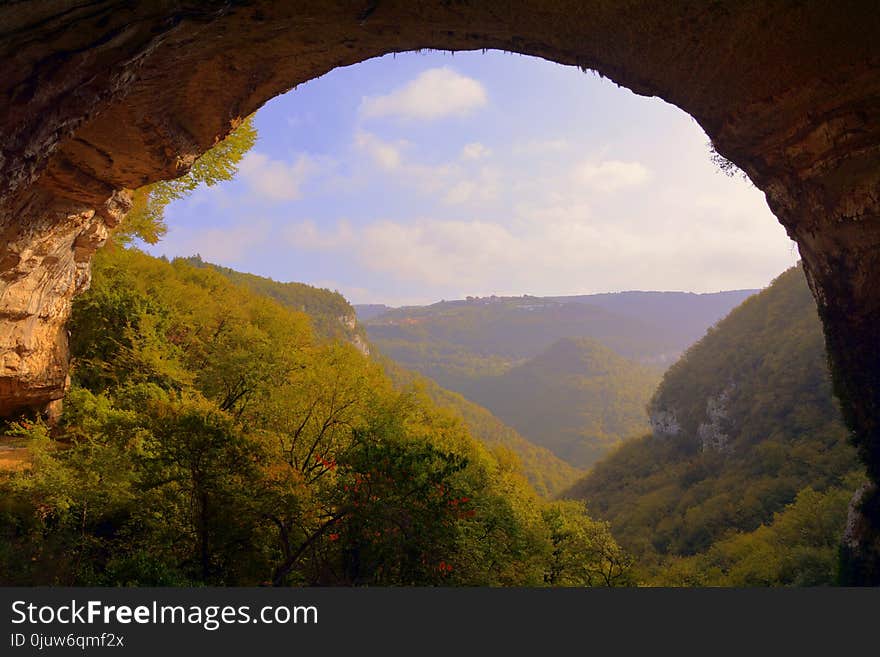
(334, 317)
(578, 398)
(741, 425)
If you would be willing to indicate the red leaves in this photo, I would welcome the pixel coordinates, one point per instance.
(457, 504)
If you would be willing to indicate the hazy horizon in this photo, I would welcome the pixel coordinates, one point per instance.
(355, 302)
(548, 296)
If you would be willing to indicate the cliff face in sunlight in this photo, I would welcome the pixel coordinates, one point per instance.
(41, 270)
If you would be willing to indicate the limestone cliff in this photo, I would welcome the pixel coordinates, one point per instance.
(40, 272)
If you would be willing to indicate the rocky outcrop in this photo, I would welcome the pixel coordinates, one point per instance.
(349, 322)
(360, 344)
(664, 423)
(102, 96)
(713, 433)
(353, 333)
(41, 270)
(861, 538)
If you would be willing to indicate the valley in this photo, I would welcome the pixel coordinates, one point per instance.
(731, 467)
(571, 374)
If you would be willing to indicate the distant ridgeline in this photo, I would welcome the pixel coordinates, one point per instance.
(650, 327)
(331, 314)
(572, 374)
(367, 311)
(334, 318)
(546, 472)
(743, 425)
(578, 398)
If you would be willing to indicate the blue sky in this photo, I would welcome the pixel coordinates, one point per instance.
(427, 176)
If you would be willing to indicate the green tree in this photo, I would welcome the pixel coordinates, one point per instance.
(584, 553)
(146, 219)
(196, 468)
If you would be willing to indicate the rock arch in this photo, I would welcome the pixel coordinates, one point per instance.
(102, 96)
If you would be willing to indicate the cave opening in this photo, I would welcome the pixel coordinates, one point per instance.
(135, 93)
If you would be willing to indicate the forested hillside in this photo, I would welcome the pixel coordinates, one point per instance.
(210, 438)
(331, 314)
(334, 318)
(577, 398)
(651, 327)
(546, 472)
(572, 374)
(214, 434)
(506, 330)
(744, 425)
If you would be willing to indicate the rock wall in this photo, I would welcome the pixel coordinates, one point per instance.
(98, 97)
(42, 267)
(713, 433)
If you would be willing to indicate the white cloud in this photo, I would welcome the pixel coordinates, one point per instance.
(434, 94)
(474, 151)
(541, 147)
(461, 192)
(307, 235)
(229, 244)
(425, 178)
(472, 188)
(519, 227)
(554, 207)
(454, 182)
(611, 175)
(424, 251)
(383, 153)
(567, 211)
(566, 247)
(274, 179)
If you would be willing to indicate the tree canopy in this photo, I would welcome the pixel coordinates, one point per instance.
(747, 437)
(210, 437)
